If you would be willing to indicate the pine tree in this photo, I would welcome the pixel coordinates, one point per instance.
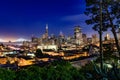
(110, 16)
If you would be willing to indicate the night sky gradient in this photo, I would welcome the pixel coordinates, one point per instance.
(24, 18)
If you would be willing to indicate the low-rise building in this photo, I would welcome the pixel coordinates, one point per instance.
(52, 47)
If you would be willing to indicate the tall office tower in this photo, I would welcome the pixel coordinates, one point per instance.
(84, 36)
(107, 37)
(52, 36)
(78, 35)
(94, 38)
(46, 31)
(52, 39)
(34, 39)
(61, 38)
(77, 31)
(89, 40)
(45, 36)
(61, 34)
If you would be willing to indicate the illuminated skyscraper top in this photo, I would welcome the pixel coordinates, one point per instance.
(46, 26)
(107, 37)
(61, 34)
(78, 35)
(46, 31)
(77, 31)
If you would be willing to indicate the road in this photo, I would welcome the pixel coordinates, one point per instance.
(80, 63)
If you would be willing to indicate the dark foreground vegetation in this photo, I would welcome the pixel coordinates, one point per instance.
(55, 71)
(60, 70)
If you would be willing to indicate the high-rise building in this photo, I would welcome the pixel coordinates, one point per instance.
(52, 39)
(94, 38)
(46, 31)
(78, 35)
(52, 36)
(45, 36)
(107, 37)
(84, 36)
(61, 34)
(89, 40)
(77, 31)
(34, 39)
(61, 39)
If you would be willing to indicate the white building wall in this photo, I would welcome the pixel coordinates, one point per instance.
(53, 47)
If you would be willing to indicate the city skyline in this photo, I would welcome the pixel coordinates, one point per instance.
(23, 18)
(59, 39)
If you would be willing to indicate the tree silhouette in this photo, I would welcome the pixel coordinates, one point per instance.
(38, 53)
(110, 16)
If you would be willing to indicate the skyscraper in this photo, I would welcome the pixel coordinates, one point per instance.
(46, 31)
(34, 39)
(84, 36)
(94, 38)
(78, 35)
(77, 31)
(45, 36)
(61, 38)
(61, 34)
(107, 37)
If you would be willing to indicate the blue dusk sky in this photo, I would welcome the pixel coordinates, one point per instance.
(23, 18)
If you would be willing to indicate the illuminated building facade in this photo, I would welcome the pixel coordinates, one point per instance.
(61, 39)
(78, 35)
(84, 36)
(46, 31)
(94, 38)
(45, 36)
(107, 37)
(89, 40)
(34, 39)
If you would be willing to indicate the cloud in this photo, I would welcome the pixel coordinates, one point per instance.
(75, 18)
(79, 19)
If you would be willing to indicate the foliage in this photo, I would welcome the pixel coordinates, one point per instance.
(58, 70)
(38, 53)
(6, 74)
(88, 71)
(93, 11)
(109, 55)
(62, 70)
(31, 73)
(93, 71)
(110, 16)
